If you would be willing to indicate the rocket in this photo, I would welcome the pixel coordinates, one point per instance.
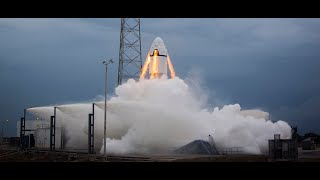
(157, 61)
(159, 50)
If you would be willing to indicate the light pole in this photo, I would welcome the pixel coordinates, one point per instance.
(7, 126)
(106, 63)
(2, 134)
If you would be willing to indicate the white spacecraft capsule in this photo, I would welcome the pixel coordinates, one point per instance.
(158, 53)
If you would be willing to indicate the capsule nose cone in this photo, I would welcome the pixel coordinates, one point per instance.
(159, 45)
(158, 39)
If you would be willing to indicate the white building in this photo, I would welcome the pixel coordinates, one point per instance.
(41, 131)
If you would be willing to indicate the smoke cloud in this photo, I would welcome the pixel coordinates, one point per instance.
(159, 115)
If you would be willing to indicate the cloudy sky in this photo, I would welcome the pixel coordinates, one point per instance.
(271, 64)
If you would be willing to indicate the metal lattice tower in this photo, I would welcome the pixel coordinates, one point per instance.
(130, 60)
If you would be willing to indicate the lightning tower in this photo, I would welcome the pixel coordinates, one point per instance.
(130, 60)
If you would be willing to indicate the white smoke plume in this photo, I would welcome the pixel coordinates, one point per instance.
(158, 115)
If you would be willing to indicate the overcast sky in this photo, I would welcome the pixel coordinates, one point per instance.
(271, 64)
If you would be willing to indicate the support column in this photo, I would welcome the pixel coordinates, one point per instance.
(53, 131)
(22, 128)
(91, 131)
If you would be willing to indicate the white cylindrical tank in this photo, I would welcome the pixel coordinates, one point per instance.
(42, 137)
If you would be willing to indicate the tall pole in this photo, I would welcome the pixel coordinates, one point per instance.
(105, 108)
(2, 132)
(105, 114)
(7, 127)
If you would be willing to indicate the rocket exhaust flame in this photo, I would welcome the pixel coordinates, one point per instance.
(154, 71)
(145, 66)
(157, 61)
(172, 73)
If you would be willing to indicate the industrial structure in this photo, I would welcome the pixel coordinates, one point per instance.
(45, 134)
(283, 149)
(130, 60)
(40, 130)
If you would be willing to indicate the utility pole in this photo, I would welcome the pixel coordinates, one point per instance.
(106, 63)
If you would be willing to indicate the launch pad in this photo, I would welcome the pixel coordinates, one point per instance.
(14, 155)
(9, 154)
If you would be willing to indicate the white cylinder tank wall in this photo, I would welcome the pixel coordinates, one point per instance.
(42, 138)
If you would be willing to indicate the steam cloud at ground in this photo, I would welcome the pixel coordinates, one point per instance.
(159, 115)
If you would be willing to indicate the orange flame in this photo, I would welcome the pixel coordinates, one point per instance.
(145, 67)
(154, 70)
(172, 73)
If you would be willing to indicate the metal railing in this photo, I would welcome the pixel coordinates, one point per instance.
(230, 150)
